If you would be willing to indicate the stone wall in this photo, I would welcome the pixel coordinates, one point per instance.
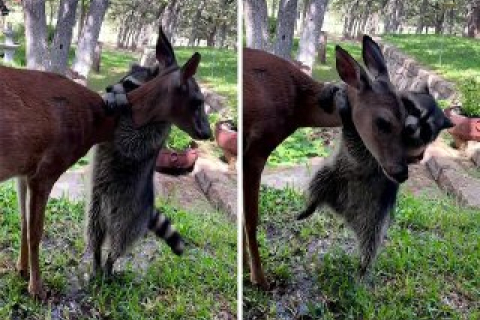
(408, 74)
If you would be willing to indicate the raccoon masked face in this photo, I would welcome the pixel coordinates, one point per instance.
(423, 124)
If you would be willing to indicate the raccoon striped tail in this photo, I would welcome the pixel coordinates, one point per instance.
(163, 228)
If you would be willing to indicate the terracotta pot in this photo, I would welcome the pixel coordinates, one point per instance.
(465, 128)
(226, 137)
(176, 162)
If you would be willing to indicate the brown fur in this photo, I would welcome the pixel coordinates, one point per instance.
(278, 98)
(48, 122)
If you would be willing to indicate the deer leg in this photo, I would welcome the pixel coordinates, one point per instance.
(22, 262)
(38, 196)
(251, 189)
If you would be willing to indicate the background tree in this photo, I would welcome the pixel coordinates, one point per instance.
(310, 37)
(89, 37)
(255, 14)
(287, 14)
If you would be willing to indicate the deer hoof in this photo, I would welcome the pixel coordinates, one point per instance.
(37, 292)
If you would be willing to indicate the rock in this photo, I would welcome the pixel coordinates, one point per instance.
(472, 151)
(454, 179)
(219, 186)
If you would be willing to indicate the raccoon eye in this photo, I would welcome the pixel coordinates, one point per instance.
(383, 125)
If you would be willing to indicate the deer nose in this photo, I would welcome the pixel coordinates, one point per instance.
(399, 173)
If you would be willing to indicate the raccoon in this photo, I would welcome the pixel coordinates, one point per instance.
(121, 204)
(424, 122)
(352, 182)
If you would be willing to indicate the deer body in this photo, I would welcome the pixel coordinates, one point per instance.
(48, 122)
(40, 115)
(278, 98)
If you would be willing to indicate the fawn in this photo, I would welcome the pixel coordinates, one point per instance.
(49, 122)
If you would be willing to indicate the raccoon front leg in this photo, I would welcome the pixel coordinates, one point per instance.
(321, 187)
(163, 228)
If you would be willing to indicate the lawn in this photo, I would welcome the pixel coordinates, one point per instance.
(305, 143)
(454, 58)
(428, 268)
(153, 283)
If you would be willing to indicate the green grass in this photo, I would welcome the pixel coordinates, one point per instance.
(198, 285)
(428, 268)
(304, 143)
(455, 58)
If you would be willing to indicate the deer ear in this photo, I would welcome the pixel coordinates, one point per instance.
(164, 51)
(349, 70)
(190, 68)
(373, 57)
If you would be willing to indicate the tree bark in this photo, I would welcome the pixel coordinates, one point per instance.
(63, 36)
(391, 22)
(350, 17)
(287, 14)
(35, 33)
(439, 18)
(81, 19)
(256, 26)
(310, 38)
(170, 17)
(421, 17)
(195, 22)
(473, 19)
(89, 37)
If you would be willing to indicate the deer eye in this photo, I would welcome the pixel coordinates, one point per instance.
(383, 125)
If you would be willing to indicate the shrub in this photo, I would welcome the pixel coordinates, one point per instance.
(470, 92)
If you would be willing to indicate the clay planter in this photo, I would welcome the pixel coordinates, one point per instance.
(226, 137)
(176, 162)
(465, 129)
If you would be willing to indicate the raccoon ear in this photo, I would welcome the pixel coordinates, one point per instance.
(447, 123)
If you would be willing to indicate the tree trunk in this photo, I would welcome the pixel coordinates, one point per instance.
(310, 38)
(211, 36)
(451, 20)
(195, 22)
(170, 17)
(421, 17)
(35, 33)
(287, 14)
(352, 11)
(439, 17)
(304, 14)
(88, 39)
(391, 22)
(63, 36)
(473, 19)
(222, 34)
(256, 26)
(81, 20)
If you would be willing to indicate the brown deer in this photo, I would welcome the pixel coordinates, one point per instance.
(48, 122)
(279, 98)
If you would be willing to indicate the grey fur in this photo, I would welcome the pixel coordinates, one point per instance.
(353, 184)
(121, 204)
